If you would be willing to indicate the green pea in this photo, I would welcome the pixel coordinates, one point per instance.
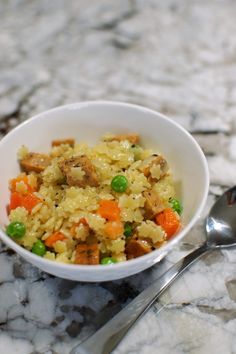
(39, 248)
(108, 260)
(119, 184)
(128, 229)
(136, 150)
(176, 205)
(16, 229)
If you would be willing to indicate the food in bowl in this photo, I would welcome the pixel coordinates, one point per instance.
(87, 121)
(93, 205)
(104, 204)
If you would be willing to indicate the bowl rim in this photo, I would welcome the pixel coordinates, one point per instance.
(129, 263)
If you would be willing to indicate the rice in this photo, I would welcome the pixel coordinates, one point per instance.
(148, 229)
(61, 206)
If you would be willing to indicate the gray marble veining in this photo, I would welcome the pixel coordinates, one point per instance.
(178, 57)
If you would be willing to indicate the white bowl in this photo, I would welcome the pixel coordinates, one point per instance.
(88, 121)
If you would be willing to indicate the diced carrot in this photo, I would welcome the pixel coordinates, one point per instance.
(29, 201)
(56, 236)
(109, 210)
(22, 178)
(14, 181)
(15, 200)
(169, 221)
(87, 253)
(114, 229)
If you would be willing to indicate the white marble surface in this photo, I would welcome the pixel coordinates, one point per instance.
(178, 57)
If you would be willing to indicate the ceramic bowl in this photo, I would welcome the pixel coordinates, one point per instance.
(88, 121)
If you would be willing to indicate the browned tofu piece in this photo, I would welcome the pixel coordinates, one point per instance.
(68, 141)
(153, 203)
(87, 253)
(35, 162)
(136, 248)
(154, 160)
(88, 175)
(132, 138)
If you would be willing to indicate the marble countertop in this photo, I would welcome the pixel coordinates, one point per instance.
(177, 57)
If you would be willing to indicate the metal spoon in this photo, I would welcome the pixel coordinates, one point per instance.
(221, 233)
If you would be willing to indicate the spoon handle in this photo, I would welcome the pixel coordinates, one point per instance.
(107, 337)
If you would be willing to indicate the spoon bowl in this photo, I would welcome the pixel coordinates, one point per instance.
(221, 222)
